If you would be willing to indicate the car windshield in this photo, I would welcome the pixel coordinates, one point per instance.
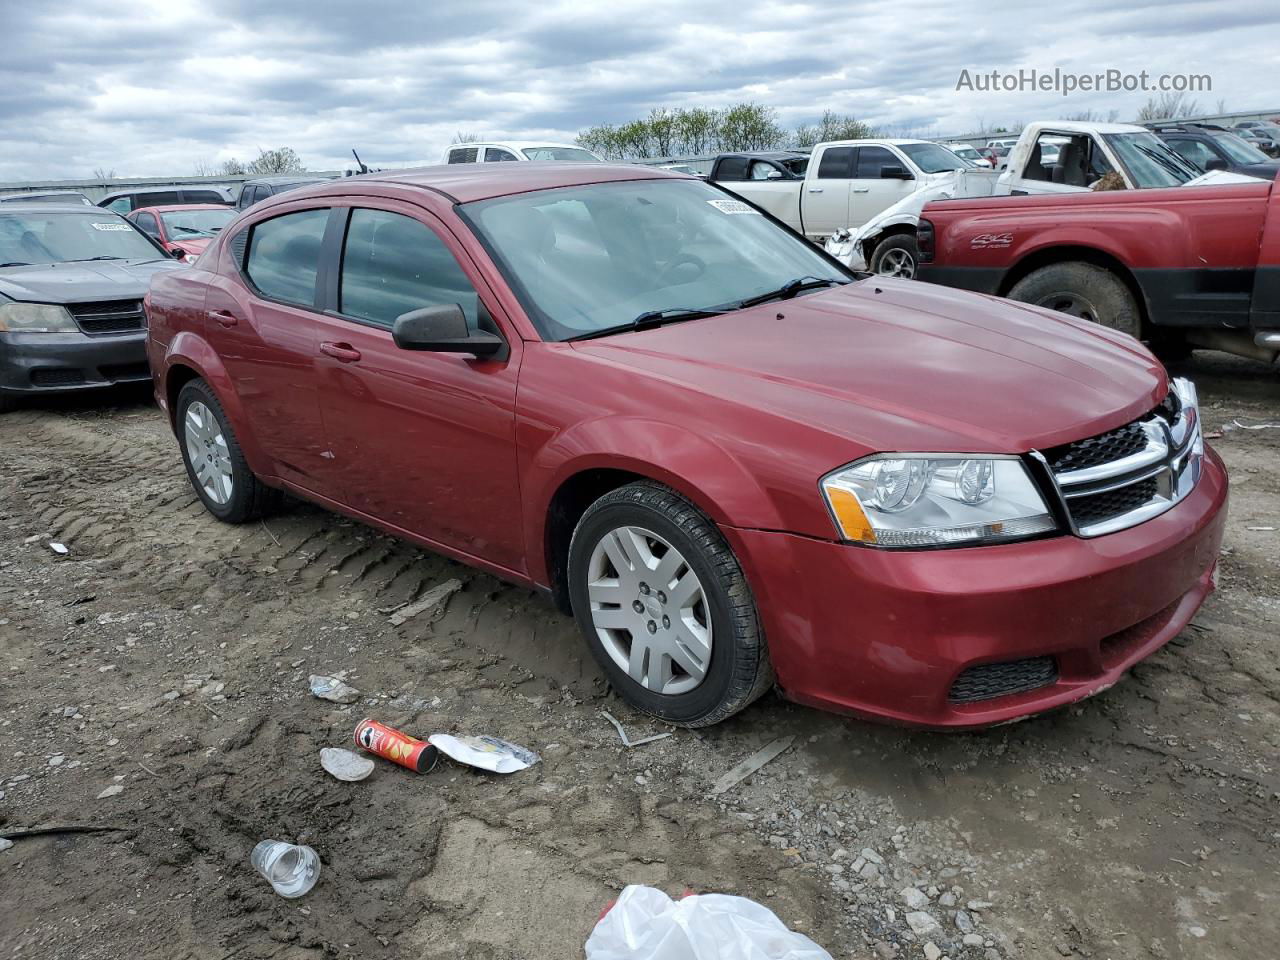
(1239, 150)
(587, 258)
(190, 224)
(571, 154)
(61, 237)
(932, 157)
(1150, 161)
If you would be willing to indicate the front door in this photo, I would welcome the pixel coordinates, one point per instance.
(423, 441)
(871, 194)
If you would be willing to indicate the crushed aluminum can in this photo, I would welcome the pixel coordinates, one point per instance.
(345, 765)
(391, 744)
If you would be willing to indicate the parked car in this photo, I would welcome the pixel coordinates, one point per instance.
(763, 165)
(517, 151)
(846, 183)
(1268, 128)
(1181, 267)
(124, 201)
(1264, 141)
(72, 280)
(183, 230)
(255, 191)
(967, 151)
(74, 197)
(1057, 156)
(701, 436)
(1208, 147)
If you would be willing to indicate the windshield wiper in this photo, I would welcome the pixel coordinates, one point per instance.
(789, 290)
(15, 263)
(653, 318)
(87, 259)
(1164, 162)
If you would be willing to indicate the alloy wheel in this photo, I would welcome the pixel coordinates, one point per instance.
(898, 263)
(207, 452)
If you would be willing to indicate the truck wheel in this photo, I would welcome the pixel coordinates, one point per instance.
(215, 465)
(896, 256)
(1081, 290)
(665, 608)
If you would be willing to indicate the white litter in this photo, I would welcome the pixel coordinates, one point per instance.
(627, 741)
(646, 924)
(331, 688)
(487, 753)
(345, 765)
(435, 597)
(59, 549)
(750, 765)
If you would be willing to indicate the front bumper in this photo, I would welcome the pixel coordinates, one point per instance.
(37, 363)
(887, 634)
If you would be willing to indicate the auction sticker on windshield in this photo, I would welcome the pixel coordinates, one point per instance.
(733, 206)
(113, 226)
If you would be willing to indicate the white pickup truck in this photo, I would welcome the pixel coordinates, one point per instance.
(846, 183)
(1051, 156)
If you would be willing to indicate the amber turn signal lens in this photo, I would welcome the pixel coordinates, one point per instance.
(850, 516)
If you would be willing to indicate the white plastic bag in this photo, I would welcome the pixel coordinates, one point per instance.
(487, 753)
(646, 924)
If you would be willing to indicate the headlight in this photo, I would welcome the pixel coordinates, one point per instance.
(935, 500)
(35, 318)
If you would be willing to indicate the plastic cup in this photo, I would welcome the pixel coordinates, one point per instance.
(291, 869)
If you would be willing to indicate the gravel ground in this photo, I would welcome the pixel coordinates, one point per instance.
(154, 681)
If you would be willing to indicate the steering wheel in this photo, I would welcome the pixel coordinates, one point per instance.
(680, 261)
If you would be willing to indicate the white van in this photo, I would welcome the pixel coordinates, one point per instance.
(518, 150)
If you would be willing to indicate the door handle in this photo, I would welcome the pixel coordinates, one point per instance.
(861, 189)
(342, 352)
(815, 189)
(223, 317)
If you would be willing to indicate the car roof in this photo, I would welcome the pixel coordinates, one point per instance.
(295, 178)
(517, 144)
(165, 188)
(9, 197)
(175, 207)
(767, 154)
(67, 208)
(467, 182)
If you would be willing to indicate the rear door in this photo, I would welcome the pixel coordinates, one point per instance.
(824, 205)
(423, 441)
(871, 193)
(262, 324)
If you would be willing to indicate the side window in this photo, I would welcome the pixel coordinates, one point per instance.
(760, 170)
(732, 169)
(871, 160)
(837, 163)
(495, 155)
(1193, 151)
(157, 199)
(1043, 158)
(202, 196)
(147, 224)
(284, 256)
(1099, 165)
(392, 264)
(464, 155)
(121, 205)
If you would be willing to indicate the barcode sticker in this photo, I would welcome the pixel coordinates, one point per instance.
(733, 206)
(112, 226)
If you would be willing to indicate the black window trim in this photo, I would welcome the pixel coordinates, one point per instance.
(243, 265)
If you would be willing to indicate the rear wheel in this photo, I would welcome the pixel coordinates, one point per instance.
(1082, 290)
(665, 608)
(215, 464)
(896, 256)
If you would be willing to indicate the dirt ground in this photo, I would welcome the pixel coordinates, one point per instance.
(168, 654)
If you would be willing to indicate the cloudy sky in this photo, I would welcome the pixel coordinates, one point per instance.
(158, 87)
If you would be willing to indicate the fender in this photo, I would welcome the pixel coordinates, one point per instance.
(191, 350)
(695, 466)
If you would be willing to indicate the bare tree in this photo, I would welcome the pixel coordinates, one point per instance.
(1168, 106)
(461, 137)
(279, 160)
(233, 168)
(101, 173)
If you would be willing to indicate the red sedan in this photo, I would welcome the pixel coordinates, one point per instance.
(731, 460)
(185, 229)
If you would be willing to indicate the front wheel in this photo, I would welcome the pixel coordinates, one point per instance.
(896, 256)
(665, 608)
(215, 464)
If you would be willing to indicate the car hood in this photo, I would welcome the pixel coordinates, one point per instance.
(81, 282)
(902, 365)
(1267, 169)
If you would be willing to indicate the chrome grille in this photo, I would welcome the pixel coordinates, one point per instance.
(1126, 476)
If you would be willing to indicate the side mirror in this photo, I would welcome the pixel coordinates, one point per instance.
(893, 172)
(443, 329)
(773, 175)
(177, 254)
(1215, 163)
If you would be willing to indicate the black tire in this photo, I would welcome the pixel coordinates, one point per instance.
(250, 497)
(1082, 290)
(8, 402)
(1170, 346)
(905, 259)
(739, 670)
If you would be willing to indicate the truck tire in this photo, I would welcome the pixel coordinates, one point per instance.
(896, 256)
(1081, 290)
(693, 657)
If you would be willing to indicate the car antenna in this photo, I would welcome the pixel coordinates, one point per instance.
(359, 162)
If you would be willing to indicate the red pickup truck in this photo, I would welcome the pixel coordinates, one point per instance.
(1183, 267)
